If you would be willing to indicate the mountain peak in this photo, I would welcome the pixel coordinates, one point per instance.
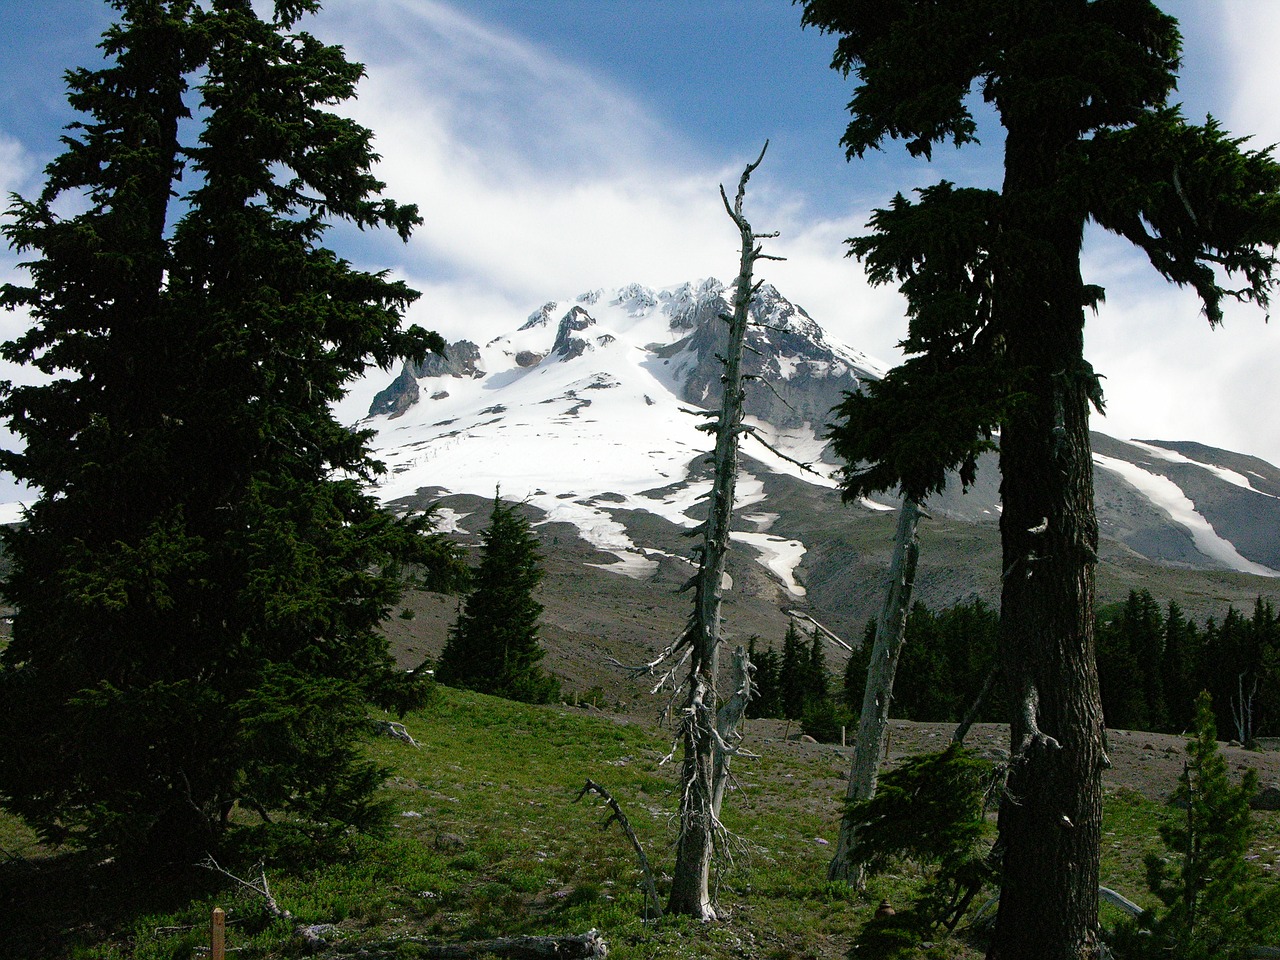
(588, 419)
(567, 346)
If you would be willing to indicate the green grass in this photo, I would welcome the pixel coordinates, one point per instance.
(485, 840)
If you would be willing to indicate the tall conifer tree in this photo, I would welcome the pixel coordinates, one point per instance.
(793, 673)
(1217, 905)
(199, 586)
(494, 646)
(995, 341)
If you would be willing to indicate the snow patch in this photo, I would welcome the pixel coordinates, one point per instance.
(763, 521)
(1230, 476)
(450, 521)
(1168, 496)
(798, 445)
(631, 564)
(780, 557)
(872, 505)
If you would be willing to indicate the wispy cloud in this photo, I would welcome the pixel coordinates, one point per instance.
(538, 178)
(17, 167)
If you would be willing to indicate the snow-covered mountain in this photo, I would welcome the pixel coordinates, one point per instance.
(588, 408)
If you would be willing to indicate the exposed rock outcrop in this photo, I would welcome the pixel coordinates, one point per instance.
(567, 346)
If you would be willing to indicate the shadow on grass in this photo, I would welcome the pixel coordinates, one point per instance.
(58, 904)
(906, 936)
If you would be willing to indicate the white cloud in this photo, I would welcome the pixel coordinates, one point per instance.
(1170, 376)
(1249, 33)
(17, 167)
(530, 173)
(541, 179)
(537, 179)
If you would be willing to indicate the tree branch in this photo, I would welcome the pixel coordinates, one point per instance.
(618, 815)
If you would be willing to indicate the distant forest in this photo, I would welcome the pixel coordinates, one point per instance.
(1152, 663)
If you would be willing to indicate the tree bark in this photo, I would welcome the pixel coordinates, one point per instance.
(873, 723)
(1051, 812)
(727, 719)
(704, 758)
(704, 752)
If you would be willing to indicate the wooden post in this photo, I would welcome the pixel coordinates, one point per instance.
(219, 934)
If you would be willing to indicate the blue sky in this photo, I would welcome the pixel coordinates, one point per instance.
(556, 146)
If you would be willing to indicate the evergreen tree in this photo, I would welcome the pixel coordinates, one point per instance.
(969, 633)
(855, 669)
(820, 716)
(817, 680)
(1216, 903)
(1238, 666)
(930, 810)
(1130, 642)
(996, 303)
(199, 587)
(1177, 668)
(923, 688)
(945, 662)
(494, 646)
(793, 674)
(767, 701)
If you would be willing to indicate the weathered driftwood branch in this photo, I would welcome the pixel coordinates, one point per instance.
(755, 435)
(312, 934)
(397, 731)
(650, 888)
(728, 717)
(261, 888)
(826, 632)
(581, 946)
(970, 715)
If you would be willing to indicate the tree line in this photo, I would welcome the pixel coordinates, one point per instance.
(1153, 662)
(794, 683)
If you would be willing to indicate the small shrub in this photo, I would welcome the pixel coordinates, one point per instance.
(823, 719)
(931, 811)
(1216, 905)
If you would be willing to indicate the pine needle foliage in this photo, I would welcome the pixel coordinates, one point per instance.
(1216, 904)
(199, 585)
(494, 646)
(996, 300)
(930, 810)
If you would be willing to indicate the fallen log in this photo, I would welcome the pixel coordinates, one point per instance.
(582, 946)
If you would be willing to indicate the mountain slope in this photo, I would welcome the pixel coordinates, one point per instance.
(589, 410)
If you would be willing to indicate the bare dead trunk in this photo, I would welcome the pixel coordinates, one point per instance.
(971, 714)
(580, 946)
(706, 753)
(727, 719)
(873, 724)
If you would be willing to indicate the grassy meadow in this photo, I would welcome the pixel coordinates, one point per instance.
(485, 840)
